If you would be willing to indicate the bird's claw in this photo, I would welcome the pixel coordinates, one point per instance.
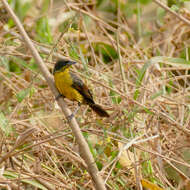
(70, 117)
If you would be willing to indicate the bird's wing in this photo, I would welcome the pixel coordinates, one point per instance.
(82, 88)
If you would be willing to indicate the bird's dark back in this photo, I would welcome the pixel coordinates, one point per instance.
(82, 88)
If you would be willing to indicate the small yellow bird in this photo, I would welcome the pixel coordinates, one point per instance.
(72, 87)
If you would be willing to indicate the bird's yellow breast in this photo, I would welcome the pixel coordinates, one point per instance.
(63, 82)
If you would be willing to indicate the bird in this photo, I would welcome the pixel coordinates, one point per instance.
(72, 87)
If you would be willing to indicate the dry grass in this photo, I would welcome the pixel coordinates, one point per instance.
(146, 96)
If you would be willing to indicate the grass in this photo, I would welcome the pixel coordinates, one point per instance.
(137, 69)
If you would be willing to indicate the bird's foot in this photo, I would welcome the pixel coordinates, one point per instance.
(74, 113)
(70, 117)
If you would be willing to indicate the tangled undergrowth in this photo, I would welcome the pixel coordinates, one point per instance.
(138, 71)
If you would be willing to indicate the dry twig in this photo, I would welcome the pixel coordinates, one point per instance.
(84, 149)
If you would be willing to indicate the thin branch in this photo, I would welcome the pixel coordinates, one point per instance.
(180, 17)
(83, 146)
(119, 52)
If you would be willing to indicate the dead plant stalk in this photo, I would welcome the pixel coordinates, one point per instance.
(83, 146)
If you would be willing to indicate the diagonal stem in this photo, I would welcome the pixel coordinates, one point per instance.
(84, 149)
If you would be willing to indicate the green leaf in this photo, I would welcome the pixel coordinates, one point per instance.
(107, 51)
(140, 76)
(4, 124)
(99, 165)
(32, 91)
(170, 61)
(113, 155)
(14, 67)
(180, 62)
(116, 99)
(22, 94)
(45, 6)
(92, 149)
(176, 61)
(145, 2)
(73, 51)
(127, 9)
(132, 114)
(21, 8)
(123, 183)
(34, 183)
(31, 65)
(43, 31)
(10, 23)
(4, 62)
(13, 175)
(107, 6)
(84, 61)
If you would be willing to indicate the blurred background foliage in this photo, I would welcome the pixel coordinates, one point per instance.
(134, 55)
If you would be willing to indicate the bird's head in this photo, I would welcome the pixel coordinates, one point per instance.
(61, 65)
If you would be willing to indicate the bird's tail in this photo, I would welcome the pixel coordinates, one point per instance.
(99, 110)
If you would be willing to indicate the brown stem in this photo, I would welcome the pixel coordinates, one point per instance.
(84, 149)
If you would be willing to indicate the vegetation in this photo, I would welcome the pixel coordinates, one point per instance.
(134, 56)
